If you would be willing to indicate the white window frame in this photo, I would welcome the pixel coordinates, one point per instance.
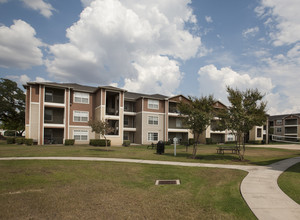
(151, 120)
(81, 115)
(49, 110)
(230, 137)
(153, 104)
(81, 134)
(151, 137)
(279, 122)
(278, 130)
(80, 96)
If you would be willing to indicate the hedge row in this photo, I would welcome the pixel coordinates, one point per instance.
(20, 140)
(126, 143)
(99, 142)
(69, 142)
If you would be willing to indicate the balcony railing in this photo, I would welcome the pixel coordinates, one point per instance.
(291, 122)
(54, 116)
(54, 95)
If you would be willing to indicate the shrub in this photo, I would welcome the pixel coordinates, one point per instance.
(20, 140)
(191, 141)
(208, 140)
(168, 142)
(126, 143)
(10, 140)
(28, 141)
(99, 142)
(254, 142)
(230, 142)
(69, 142)
(9, 133)
(185, 143)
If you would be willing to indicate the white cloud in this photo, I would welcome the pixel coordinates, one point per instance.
(126, 40)
(19, 47)
(23, 79)
(214, 81)
(208, 19)
(285, 14)
(156, 74)
(44, 8)
(250, 32)
(86, 3)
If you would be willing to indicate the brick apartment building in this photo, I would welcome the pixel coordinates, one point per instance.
(59, 111)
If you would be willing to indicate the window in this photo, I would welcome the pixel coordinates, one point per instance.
(80, 97)
(258, 132)
(80, 116)
(230, 137)
(81, 135)
(178, 123)
(152, 136)
(48, 96)
(48, 115)
(278, 130)
(153, 104)
(153, 120)
(279, 122)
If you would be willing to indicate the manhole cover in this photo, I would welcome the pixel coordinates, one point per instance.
(167, 182)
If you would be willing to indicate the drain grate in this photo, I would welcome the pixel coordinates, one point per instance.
(167, 182)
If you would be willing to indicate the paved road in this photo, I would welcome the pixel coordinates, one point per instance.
(259, 188)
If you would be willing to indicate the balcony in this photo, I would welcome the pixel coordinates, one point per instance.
(54, 116)
(173, 108)
(176, 123)
(289, 122)
(291, 130)
(54, 95)
(112, 103)
(129, 106)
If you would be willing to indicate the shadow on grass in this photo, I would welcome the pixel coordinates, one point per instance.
(208, 157)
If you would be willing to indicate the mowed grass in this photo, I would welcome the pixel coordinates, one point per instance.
(205, 153)
(289, 182)
(106, 190)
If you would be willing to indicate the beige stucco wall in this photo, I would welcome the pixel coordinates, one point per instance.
(91, 134)
(253, 134)
(34, 121)
(152, 128)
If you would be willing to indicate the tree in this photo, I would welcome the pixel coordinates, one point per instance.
(12, 106)
(198, 113)
(246, 110)
(101, 127)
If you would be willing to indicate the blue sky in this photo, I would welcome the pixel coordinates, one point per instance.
(159, 46)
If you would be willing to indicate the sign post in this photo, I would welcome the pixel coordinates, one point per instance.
(175, 141)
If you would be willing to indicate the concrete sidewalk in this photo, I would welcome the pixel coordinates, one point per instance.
(259, 188)
(263, 195)
(279, 146)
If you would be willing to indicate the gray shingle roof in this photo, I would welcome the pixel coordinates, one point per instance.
(278, 117)
(134, 96)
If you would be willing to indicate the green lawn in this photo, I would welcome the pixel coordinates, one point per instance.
(206, 153)
(289, 182)
(106, 190)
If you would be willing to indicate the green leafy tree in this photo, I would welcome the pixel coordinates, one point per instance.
(101, 127)
(198, 113)
(12, 106)
(246, 110)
